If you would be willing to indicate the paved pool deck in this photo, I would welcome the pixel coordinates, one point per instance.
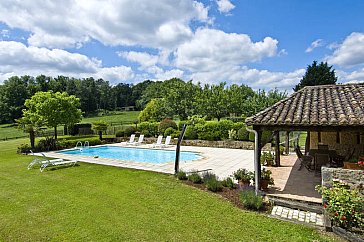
(222, 162)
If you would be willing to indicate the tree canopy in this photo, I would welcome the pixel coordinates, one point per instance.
(321, 74)
(53, 109)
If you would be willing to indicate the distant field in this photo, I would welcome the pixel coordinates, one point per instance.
(9, 131)
(122, 117)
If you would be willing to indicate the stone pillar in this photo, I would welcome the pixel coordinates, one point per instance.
(257, 165)
(287, 143)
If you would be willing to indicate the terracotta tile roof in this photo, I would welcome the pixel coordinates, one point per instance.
(326, 105)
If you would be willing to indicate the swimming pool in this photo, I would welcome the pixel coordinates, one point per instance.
(134, 154)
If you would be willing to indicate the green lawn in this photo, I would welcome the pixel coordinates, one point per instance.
(120, 117)
(9, 131)
(99, 203)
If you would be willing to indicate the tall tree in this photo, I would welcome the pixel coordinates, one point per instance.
(54, 109)
(99, 126)
(321, 74)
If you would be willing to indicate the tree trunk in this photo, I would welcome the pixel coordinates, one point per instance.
(100, 135)
(32, 138)
(55, 132)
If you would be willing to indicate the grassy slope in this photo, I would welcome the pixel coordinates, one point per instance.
(92, 202)
(8, 131)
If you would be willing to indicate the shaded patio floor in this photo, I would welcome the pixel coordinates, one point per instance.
(294, 184)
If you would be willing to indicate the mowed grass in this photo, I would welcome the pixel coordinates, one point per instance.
(121, 117)
(99, 203)
(9, 131)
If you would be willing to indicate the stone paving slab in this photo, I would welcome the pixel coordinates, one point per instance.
(298, 215)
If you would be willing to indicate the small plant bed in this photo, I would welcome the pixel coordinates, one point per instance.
(242, 197)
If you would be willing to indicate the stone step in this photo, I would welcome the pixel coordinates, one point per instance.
(296, 204)
(298, 216)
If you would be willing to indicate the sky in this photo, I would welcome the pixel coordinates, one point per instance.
(264, 44)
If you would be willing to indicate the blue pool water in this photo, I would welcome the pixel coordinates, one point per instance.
(134, 154)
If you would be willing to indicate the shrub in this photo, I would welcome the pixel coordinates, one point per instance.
(243, 175)
(344, 205)
(169, 131)
(129, 130)
(191, 133)
(196, 119)
(228, 182)
(23, 149)
(266, 137)
(238, 125)
(224, 127)
(232, 134)
(243, 134)
(165, 124)
(250, 200)
(181, 175)
(194, 177)
(146, 133)
(213, 184)
(70, 143)
(181, 123)
(120, 133)
(207, 176)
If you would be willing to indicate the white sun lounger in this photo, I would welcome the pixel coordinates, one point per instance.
(159, 141)
(40, 162)
(131, 141)
(166, 142)
(140, 140)
(55, 162)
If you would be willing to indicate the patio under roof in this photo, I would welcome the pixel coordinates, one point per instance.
(313, 108)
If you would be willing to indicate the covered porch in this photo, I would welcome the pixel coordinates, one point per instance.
(330, 114)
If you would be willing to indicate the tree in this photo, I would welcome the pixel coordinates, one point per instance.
(30, 123)
(213, 101)
(321, 74)
(156, 110)
(54, 109)
(99, 126)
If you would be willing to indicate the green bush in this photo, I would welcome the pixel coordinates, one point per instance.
(194, 177)
(266, 137)
(213, 184)
(228, 182)
(243, 175)
(66, 143)
(129, 130)
(344, 205)
(224, 127)
(143, 126)
(181, 123)
(120, 133)
(169, 131)
(165, 124)
(243, 134)
(181, 175)
(238, 125)
(191, 132)
(196, 119)
(207, 176)
(175, 134)
(24, 149)
(250, 200)
(146, 133)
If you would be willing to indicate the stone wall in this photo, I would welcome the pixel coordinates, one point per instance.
(246, 145)
(354, 178)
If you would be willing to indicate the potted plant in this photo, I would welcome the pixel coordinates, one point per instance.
(281, 149)
(266, 179)
(267, 158)
(352, 164)
(243, 176)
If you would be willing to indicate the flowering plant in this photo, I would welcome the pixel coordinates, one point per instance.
(345, 205)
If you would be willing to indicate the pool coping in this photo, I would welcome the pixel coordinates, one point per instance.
(221, 161)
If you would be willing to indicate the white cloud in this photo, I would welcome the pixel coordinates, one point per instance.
(69, 23)
(142, 58)
(225, 6)
(350, 52)
(210, 49)
(315, 44)
(18, 59)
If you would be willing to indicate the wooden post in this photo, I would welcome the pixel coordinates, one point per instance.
(308, 142)
(257, 165)
(287, 143)
(277, 149)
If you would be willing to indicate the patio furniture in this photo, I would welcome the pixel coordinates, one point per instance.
(55, 162)
(321, 159)
(167, 142)
(322, 147)
(131, 140)
(159, 141)
(140, 140)
(306, 160)
(40, 162)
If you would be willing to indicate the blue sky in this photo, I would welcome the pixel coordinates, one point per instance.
(262, 43)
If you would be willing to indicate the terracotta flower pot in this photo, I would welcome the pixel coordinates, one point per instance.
(352, 166)
(264, 184)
